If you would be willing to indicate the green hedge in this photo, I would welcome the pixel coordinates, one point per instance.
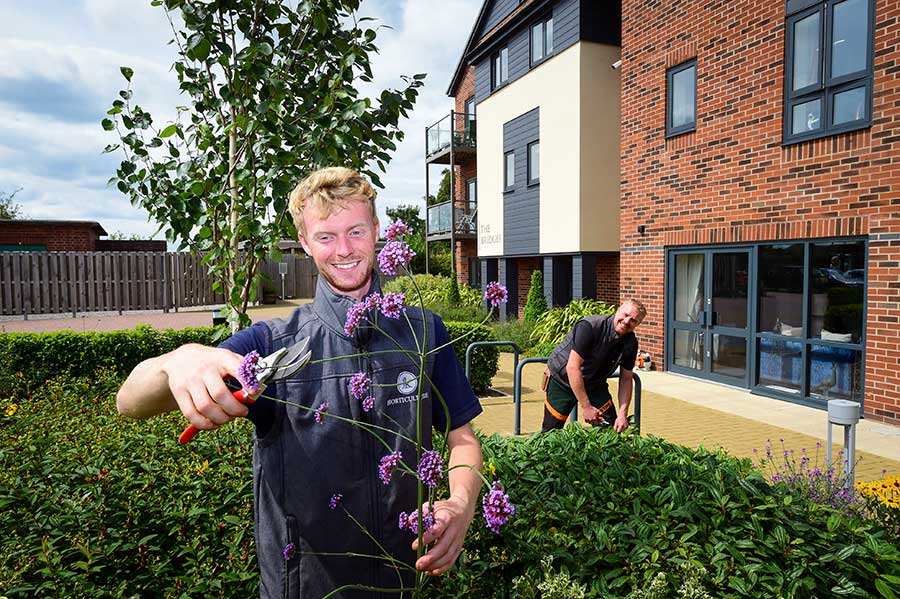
(485, 360)
(27, 360)
(618, 511)
(92, 505)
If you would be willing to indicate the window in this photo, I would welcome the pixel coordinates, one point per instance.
(681, 98)
(499, 68)
(828, 62)
(509, 171)
(470, 119)
(471, 194)
(541, 40)
(534, 162)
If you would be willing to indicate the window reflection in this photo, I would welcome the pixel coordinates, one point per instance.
(781, 289)
(838, 277)
(835, 373)
(780, 365)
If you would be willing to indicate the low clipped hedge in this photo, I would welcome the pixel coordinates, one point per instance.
(92, 505)
(27, 360)
(617, 512)
(485, 359)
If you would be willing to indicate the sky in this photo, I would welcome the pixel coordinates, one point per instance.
(59, 73)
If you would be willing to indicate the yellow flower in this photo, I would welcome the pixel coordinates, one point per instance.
(492, 469)
(11, 409)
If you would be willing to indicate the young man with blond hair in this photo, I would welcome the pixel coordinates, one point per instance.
(299, 465)
(582, 362)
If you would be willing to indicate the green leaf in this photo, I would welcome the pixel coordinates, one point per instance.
(108, 124)
(882, 587)
(169, 131)
(127, 72)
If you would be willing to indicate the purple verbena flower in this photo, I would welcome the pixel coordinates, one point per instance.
(335, 501)
(396, 230)
(248, 372)
(388, 465)
(431, 468)
(410, 522)
(288, 552)
(320, 413)
(393, 256)
(392, 304)
(355, 316)
(359, 385)
(368, 403)
(495, 293)
(497, 508)
(372, 301)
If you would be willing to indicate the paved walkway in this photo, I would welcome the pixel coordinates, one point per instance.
(696, 413)
(679, 409)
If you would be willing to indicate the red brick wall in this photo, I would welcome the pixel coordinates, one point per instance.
(526, 267)
(608, 278)
(467, 248)
(57, 238)
(732, 181)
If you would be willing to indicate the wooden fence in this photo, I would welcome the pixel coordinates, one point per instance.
(71, 282)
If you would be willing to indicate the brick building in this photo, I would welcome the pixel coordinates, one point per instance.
(760, 190)
(67, 236)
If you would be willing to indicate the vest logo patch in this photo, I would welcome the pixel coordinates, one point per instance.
(407, 382)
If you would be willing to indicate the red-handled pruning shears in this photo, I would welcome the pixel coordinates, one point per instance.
(281, 364)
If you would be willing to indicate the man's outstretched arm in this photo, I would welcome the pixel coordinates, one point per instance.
(190, 379)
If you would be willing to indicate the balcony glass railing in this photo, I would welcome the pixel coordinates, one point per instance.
(457, 128)
(439, 219)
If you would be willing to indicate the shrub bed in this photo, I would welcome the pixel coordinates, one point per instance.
(27, 360)
(92, 505)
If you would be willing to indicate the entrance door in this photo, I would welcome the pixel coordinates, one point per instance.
(709, 323)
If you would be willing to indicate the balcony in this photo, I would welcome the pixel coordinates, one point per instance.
(451, 140)
(464, 226)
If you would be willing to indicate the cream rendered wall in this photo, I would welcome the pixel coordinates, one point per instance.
(600, 126)
(578, 96)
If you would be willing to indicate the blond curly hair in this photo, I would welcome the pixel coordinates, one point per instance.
(328, 190)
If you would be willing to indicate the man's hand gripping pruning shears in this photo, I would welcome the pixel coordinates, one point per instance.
(256, 374)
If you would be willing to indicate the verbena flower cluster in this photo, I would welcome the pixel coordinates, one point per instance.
(804, 477)
(410, 522)
(335, 501)
(391, 305)
(359, 385)
(388, 465)
(289, 551)
(396, 230)
(394, 256)
(431, 468)
(248, 372)
(321, 411)
(497, 508)
(495, 294)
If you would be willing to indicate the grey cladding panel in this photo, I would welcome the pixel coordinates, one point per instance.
(482, 80)
(518, 55)
(565, 24)
(497, 11)
(521, 207)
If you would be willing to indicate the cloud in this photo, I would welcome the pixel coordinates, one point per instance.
(53, 95)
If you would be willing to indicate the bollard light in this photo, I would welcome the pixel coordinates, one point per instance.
(845, 413)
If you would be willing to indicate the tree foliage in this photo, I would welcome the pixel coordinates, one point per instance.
(9, 209)
(272, 95)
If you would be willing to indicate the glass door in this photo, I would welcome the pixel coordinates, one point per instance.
(709, 323)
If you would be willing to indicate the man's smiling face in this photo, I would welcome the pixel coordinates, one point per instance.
(343, 247)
